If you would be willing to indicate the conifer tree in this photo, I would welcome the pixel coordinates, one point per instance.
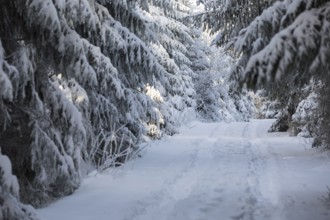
(86, 81)
(287, 43)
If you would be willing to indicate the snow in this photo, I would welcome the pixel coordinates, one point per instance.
(288, 47)
(7, 180)
(153, 93)
(5, 83)
(46, 10)
(208, 171)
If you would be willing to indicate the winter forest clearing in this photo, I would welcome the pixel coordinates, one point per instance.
(86, 84)
(215, 171)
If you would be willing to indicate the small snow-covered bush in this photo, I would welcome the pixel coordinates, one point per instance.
(10, 206)
(265, 107)
(305, 119)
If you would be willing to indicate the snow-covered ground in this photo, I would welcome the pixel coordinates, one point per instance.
(216, 171)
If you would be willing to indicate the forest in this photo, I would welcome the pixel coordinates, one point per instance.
(85, 83)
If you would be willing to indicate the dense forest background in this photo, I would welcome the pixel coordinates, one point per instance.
(84, 82)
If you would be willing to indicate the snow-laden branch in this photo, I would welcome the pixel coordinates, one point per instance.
(303, 45)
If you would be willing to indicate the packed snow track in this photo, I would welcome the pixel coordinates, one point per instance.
(217, 171)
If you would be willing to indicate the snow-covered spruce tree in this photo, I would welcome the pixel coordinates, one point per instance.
(86, 80)
(66, 93)
(322, 115)
(216, 100)
(287, 45)
(230, 16)
(42, 131)
(174, 46)
(306, 119)
(10, 205)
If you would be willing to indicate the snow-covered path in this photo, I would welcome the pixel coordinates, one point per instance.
(214, 171)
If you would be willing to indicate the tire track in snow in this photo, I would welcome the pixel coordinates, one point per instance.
(211, 192)
(258, 202)
(176, 188)
(209, 185)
